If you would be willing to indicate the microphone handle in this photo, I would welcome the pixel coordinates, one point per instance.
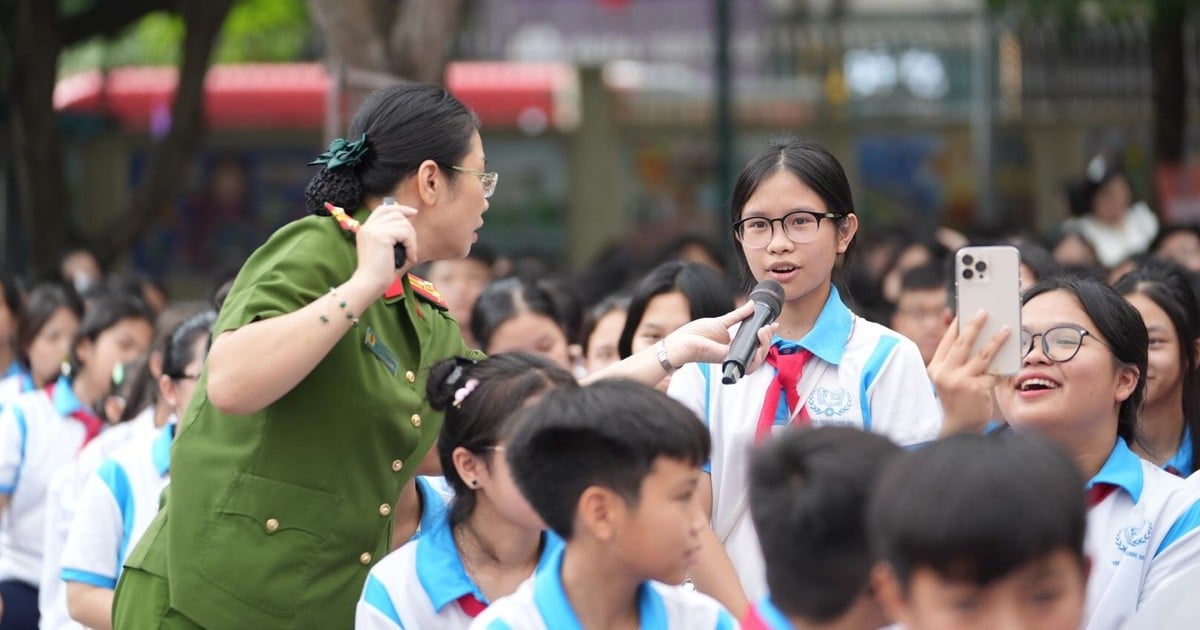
(399, 253)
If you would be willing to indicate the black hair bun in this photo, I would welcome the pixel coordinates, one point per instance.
(340, 187)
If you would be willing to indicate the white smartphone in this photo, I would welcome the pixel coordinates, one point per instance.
(989, 278)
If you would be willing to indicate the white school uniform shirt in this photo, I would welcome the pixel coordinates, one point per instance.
(117, 504)
(861, 375)
(14, 382)
(1139, 538)
(61, 497)
(540, 603)
(38, 437)
(419, 585)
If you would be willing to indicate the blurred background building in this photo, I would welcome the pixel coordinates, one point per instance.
(602, 118)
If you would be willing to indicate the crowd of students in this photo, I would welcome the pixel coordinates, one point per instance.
(333, 441)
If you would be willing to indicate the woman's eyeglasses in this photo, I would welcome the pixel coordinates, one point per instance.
(1059, 344)
(799, 226)
(489, 180)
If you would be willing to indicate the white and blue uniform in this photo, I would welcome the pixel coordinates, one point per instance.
(62, 495)
(861, 375)
(38, 437)
(119, 501)
(1140, 537)
(420, 584)
(540, 603)
(16, 381)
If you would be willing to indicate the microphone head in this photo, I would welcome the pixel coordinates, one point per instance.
(770, 294)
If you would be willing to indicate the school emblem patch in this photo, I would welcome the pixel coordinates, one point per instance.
(1129, 539)
(829, 402)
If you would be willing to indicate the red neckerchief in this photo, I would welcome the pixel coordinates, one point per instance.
(471, 605)
(788, 368)
(91, 424)
(1099, 492)
(1174, 471)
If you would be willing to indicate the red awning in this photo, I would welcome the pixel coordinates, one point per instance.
(292, 96)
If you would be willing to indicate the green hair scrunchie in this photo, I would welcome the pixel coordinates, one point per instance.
(342, 153)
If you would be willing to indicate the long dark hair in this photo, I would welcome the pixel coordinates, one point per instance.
(1169, 287)
(807, 161)
(405, 124)
(44, 301)
(503, 384)
(1120, 324)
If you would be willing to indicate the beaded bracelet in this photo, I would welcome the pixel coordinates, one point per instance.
(334, 297)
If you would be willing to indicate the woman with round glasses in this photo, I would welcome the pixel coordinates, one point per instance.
(1081, 383)
(794, 221)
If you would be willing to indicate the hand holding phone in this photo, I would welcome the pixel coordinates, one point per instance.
(989, 279)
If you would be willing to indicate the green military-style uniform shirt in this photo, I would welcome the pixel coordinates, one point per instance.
(273, 519)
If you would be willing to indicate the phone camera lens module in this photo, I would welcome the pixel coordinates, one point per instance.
(981, 266)
(968, 259)
(968, 274)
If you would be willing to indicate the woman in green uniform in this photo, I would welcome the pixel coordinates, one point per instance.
(309, 417)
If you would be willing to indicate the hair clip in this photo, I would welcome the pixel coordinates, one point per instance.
(462, 392)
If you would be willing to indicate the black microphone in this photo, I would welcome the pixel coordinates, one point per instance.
(399, 253)
(768, 300)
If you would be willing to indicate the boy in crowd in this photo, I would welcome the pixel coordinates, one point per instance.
(922, 312)
(808, 499)
(981, 532)
(613, 469)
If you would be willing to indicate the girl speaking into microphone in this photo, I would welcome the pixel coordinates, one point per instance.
(794, 222)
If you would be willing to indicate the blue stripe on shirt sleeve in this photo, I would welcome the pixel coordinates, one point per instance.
(117, 480)
(1185, 524)
(87, 577)
(498, 624)
(375, 594)
(871, 370)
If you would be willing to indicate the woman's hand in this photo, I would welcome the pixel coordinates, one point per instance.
(963, 385)
(707, 340)
(387, 226)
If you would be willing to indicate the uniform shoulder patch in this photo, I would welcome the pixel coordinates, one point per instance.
(426, 290)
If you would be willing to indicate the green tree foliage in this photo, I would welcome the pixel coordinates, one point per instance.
(255, 31)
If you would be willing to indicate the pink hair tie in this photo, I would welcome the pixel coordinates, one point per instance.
(461, 393)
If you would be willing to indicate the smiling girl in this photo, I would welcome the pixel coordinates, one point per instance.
(794, 221)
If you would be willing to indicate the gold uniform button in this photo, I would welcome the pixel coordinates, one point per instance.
(415, 419)
(397, 465)
(272, 525)
(384, 509)
(365, 558)
(412, 378)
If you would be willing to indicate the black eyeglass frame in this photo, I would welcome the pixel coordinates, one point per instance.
(817, 216)
(1027, 347)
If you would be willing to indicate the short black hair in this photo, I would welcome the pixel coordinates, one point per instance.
(974, 508)
(504, 383)
(503, 299)
(808, 499)
(927, 277)
(607, 434)
(706, 291)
